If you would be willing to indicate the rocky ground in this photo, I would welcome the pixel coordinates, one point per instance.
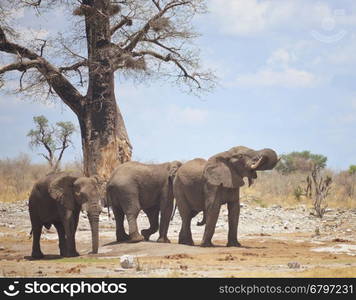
(275, 241)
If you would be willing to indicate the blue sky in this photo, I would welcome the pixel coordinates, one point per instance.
(287, 74)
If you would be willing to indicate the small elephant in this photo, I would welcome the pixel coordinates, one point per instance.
(134, 186)
(202, 185)
(57, 199)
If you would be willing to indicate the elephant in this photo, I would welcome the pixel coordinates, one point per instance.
(134, 186)
(204, 185)
(57, 200)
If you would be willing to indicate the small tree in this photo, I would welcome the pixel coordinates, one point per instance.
(348, 180)
(300, 161)
(352, 170)
(53, 138)
(322, 186)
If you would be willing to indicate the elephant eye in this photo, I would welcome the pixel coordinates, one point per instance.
(234, 160)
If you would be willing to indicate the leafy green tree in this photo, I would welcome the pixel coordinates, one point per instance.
(53, 138)
(300, 161)
(352, 170)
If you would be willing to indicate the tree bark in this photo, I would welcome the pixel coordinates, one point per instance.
(104, 138)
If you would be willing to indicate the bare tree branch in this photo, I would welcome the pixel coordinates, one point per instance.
(125, 21)
(42, 47)
(140, 34)
(159, 44)
(64, 89)
(20, 66)
(74, 67)
(156, 3)
(169, 58)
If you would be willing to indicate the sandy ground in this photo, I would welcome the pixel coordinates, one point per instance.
(276, 242)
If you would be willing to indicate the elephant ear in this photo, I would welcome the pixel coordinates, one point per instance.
(61, 190)
(173, 168)
(218, 172)
(172, 171)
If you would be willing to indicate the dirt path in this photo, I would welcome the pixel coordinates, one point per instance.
(282, 248)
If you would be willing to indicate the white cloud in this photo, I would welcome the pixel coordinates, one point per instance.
(244, 17)
(280, 70)
(281, 57)
(248, 17)
(288, 77)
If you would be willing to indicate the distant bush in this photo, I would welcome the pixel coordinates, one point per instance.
(347, 180)
(300, 161)
(290, 189)
(352, 169)
(17, 176)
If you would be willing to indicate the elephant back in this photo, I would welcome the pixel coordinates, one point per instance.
(191, 172)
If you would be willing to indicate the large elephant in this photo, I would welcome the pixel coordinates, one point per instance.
(57, 200)
(134, 186)
(202, 185)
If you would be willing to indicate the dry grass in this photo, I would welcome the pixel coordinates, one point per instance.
(18, 175)
(275, 188)
(324, 272)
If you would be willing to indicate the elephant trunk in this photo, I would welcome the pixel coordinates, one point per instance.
(268, 160)
(94, 226)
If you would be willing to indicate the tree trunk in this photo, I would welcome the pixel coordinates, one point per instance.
(104, 137)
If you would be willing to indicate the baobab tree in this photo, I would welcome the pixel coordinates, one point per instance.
(141, 38)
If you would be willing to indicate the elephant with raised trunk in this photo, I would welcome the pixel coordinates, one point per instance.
(202, 185)
(57, 200)
(134, 186)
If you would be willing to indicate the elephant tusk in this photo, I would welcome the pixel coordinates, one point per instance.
(257, 164)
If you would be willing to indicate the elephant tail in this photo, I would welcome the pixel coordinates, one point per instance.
(30, 235)
(203, 221)
(174, 210)
(108, 199)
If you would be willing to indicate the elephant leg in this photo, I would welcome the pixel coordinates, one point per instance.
(186, 213)
(212, 214)
(76, 214)
(166, 213)
(185, 234)
(76, 220)
(234, 213)
(133, 229)
(130, 204)
(62, 238)
(121, 235)
(69, 228)
(152, 214)
(36, 236)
